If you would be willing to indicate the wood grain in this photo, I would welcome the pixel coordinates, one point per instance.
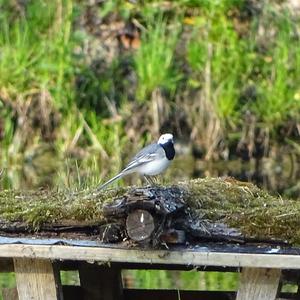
(10, 294)
(258, 284)
(140, 225)
(35, 279)
(164, 257)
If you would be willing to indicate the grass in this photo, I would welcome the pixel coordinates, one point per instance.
(219, 62)
(35, 50)
(35, 72)
(279, 74)
(200, 59)
(187, 280)
(215, 54)
(154, 60)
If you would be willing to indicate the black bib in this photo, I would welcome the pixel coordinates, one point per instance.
(169, 150)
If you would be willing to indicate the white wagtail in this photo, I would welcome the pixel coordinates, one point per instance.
(150, 161)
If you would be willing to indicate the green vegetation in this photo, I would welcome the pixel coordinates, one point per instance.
(35, 209)
(154, 58)
(182, 280)
(87, 79)
(244, 206)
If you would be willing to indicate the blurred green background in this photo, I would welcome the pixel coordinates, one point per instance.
(85, 84)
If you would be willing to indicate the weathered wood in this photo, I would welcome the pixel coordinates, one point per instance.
(182, 256)
(258, 284)
(10, 294)
(100, 283)
(35, 279)
(111, 233)
(63, 227)
(148, 213)
(57, 279)
(140, 225)
(173, 236)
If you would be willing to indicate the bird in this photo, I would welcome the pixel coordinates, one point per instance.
(150, 161)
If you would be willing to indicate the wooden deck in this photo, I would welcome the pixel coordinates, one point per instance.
(37, 269)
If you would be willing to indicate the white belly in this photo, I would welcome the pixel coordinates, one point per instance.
(155, 167)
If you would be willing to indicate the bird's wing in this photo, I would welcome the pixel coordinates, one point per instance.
(147, 154)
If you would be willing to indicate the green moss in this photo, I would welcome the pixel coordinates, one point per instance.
(246, 207)
(240, 205)
(49, 207)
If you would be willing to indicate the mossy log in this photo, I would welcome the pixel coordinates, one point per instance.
(210, 208)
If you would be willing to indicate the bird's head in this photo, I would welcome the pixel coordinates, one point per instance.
(165, 138)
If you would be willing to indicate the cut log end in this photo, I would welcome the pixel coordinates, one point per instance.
(140, 225)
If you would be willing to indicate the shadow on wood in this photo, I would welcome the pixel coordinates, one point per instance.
(100, 282)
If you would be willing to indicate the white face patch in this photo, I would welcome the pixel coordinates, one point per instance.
(164, 138)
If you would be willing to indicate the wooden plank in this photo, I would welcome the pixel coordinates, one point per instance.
(258, 284)
(35, 279)
(164, 257)
(100, 283)
(57, 280)
(67, 265)
(10, 294)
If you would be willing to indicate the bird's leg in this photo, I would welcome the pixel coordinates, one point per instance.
(149, 180)
(156, 180)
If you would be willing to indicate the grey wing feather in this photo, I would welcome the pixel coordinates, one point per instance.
(147, 154)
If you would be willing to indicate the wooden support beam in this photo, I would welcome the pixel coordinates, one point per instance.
(10, 294)
(258, 284)
(99, 282)
(181, 256)
(36, 279)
